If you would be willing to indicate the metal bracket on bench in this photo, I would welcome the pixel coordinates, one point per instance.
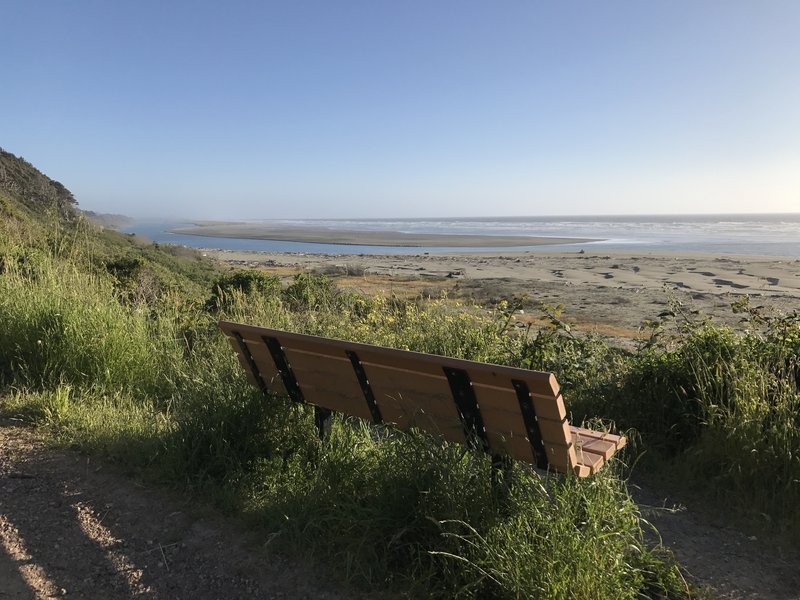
(361, 375)
(531, 424)
(322, 416)
(468, 410)
(278, 356)
(251, 362)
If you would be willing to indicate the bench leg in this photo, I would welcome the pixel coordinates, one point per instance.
(322, 419)
(502, 471)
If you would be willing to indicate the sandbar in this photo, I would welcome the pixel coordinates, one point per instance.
(330, 235)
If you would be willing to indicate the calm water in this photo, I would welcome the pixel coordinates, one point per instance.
(764, 235)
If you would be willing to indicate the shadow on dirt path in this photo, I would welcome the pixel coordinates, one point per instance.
(70, 528)
(12, 582)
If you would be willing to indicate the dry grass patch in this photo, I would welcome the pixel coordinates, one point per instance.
(397, 286)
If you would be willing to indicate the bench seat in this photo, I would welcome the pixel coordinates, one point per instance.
(508, 412)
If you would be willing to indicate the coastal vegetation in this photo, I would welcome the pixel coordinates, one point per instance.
(110, 344)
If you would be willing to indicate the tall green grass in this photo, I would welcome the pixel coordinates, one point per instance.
(412, 510)
(59, 326)
(742, 421)
(154, 386)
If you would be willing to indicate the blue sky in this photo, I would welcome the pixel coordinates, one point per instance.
(368, 109)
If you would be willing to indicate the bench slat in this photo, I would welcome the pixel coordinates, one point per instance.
(604, 448)
(504, 422)
(266, 366)
(412, 399)
(539, 382)
(502, 398)
(514, 446)
(554, 431)
(497, 405)
(251, 377)
(593, 461)
(559, 458)
(504, 419)
(618, 440)
(411, 391)
(328, 382)
(581, 470)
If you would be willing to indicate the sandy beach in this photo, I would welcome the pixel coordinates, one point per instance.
(611, 293)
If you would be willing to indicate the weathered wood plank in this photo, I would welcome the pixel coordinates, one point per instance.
(604, 448)
(328, 382)
(593, 461)
(619, 441)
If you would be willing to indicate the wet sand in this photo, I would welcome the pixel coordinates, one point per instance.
(610, 293)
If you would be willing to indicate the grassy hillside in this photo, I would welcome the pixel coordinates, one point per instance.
(36, 193)
(41, 216)
(111, 345)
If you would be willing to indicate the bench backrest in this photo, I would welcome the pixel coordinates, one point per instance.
(507, 411)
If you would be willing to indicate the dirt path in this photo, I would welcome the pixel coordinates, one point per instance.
(71, 527)
(734, 565)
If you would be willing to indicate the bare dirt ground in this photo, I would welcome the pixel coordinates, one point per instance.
(727, 562)
(73, 527)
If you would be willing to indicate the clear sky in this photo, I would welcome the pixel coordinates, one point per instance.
(416, 108)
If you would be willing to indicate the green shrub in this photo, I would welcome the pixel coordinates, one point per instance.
(310, 293)
(722, 408)
(248, 283)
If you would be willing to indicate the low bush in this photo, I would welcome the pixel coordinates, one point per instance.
(246, 283)
(716, 409)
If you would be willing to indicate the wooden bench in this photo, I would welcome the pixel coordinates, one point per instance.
(505, 411)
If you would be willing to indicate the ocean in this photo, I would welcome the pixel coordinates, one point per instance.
(752, 234)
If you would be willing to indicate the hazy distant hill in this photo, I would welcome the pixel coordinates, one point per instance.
(111, 221)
